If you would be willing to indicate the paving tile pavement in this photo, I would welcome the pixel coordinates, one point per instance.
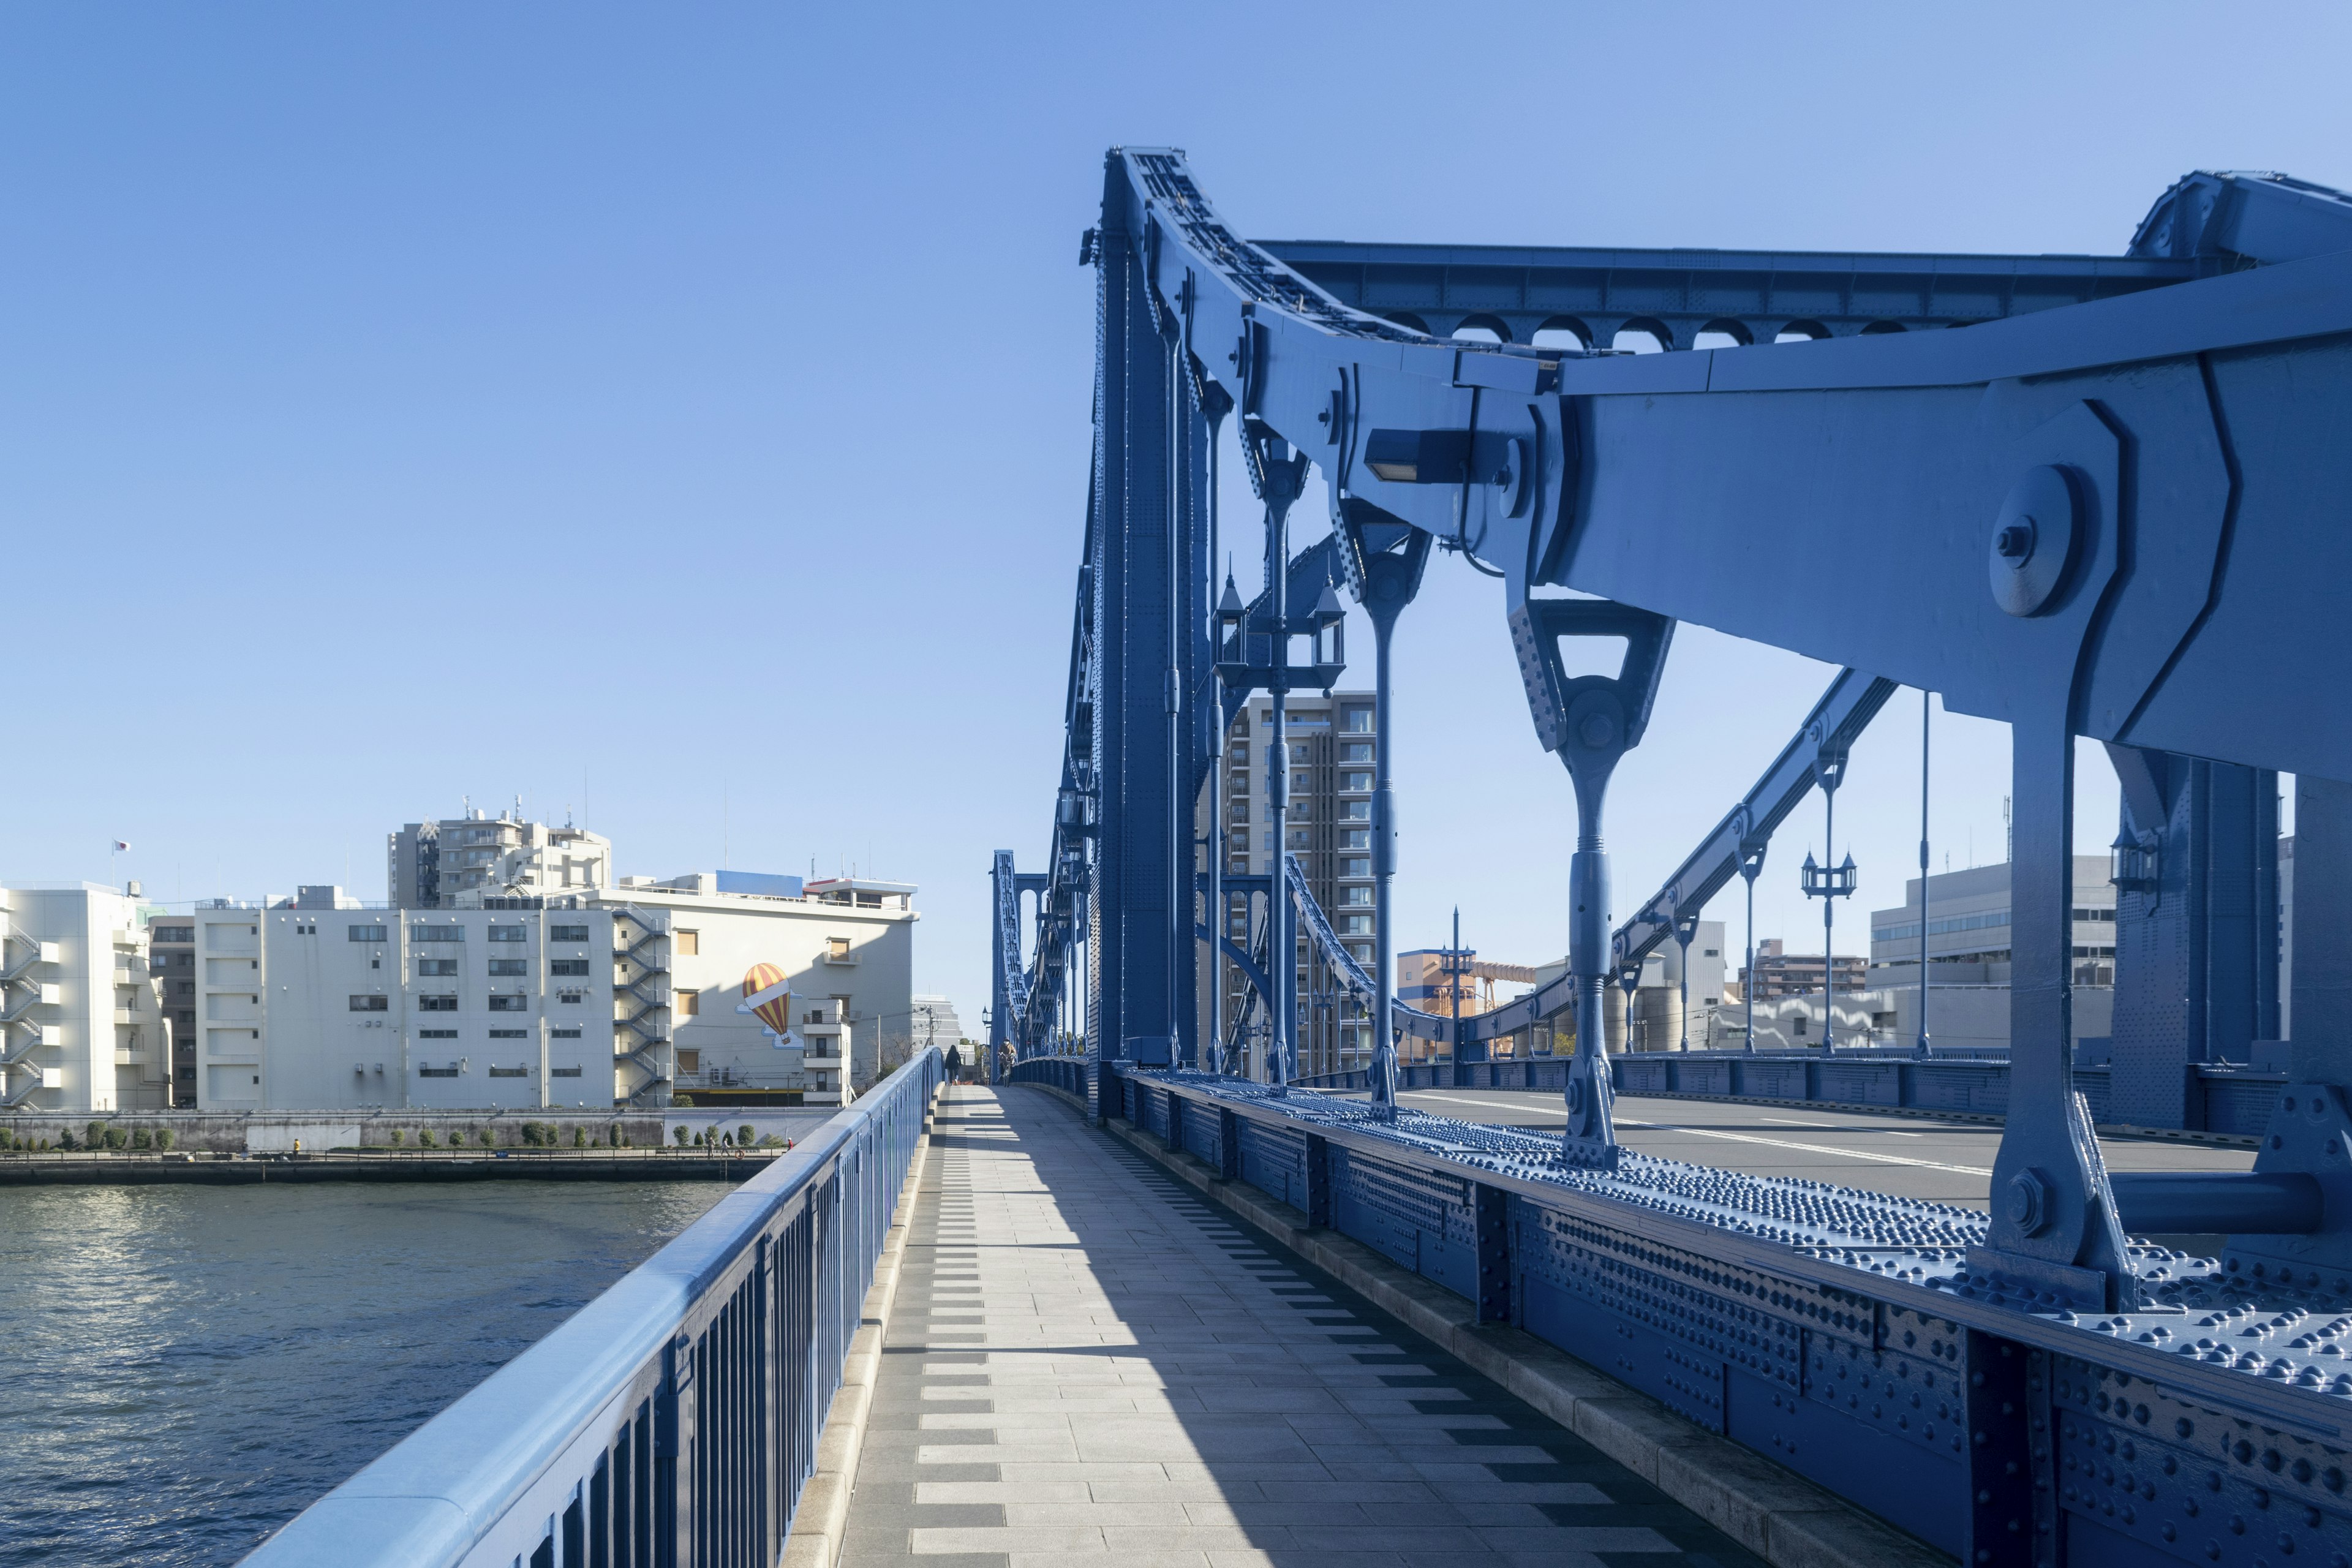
(1087, 1365)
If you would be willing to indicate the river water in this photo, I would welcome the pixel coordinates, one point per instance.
(186, 1368)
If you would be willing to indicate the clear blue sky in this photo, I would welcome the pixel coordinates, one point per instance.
(679, 413)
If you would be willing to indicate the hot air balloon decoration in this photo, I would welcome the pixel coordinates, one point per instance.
(767, 997)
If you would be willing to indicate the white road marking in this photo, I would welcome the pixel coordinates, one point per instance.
(1816, 1126)
(1746, 1138)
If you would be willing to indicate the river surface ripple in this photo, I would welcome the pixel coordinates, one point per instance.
(187, 1368)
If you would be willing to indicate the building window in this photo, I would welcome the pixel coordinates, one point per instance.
(1355, 781)
(510, 933)
(510, 1003)
(563, 1073)
(570, 997)
(565, 1035)
(366, 934)
(689, 1004)
(836, 947)
(688, 944)
(176, 933)
(371, 1004)
(1356, 752)
(1357, 810)
(503, 966)
(449, 1072)
(436, 933)
(1356, 721)
(689, 1061)
(436, 1004)
(510, 1072)
(429, 968)
(567, 966)
(509, 1033)
(567, 933)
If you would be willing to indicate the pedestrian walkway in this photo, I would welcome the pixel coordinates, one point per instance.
(1088, 1366)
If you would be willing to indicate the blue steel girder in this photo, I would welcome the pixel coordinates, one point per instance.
(1767, 462)
(1593, 292)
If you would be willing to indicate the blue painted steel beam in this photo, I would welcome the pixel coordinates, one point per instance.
(1593, 291)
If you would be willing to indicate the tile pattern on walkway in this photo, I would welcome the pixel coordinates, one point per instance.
(1088, 1366)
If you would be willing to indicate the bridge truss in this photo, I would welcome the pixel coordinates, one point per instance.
(2112, 507)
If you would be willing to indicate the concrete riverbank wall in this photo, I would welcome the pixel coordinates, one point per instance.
(198, 1131)
(38, 1169)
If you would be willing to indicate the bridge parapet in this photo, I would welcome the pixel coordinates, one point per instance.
(1834, 1329)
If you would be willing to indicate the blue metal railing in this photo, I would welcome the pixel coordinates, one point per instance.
(672, 1419)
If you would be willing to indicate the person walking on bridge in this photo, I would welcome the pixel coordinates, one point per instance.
(955, 1065)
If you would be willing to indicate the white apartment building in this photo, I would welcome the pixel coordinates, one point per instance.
(577, 1001)
(321, 1002)
(81, 1019)
(465, 862)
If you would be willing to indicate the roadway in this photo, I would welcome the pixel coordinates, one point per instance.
(1911, 1157)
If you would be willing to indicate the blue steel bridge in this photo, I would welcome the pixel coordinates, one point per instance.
(1132, 1305)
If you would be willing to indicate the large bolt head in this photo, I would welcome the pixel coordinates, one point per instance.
(2027, 1202)
(2035, 541)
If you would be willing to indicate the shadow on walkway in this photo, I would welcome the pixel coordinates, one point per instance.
(1088, 1364)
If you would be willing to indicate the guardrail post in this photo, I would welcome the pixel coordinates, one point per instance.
(1492, 1208)
(673, 1459)
(1318, 1181)
(2013, 1488)
(1175, 1122)
(1229, 1145)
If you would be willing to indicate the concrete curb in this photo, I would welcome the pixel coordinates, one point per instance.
(1772, 1511)
(821, 1521)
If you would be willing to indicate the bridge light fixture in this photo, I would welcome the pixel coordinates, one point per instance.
(1330, 628)
(1230, 612)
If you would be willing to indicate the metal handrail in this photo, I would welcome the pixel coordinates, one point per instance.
(683, 1403)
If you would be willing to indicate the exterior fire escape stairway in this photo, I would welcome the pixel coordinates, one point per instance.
(20, 1038)
(646, 993)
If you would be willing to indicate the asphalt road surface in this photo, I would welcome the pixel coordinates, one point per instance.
(1911, 1157)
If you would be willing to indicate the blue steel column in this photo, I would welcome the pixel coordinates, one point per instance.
(1189, 659)
(2196, 928)
(1386, 560)
(1383, 1078)
(2055, 1226)
(2323, 918)
(1129, 1003)
(1283, 943)
(1927, 713)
